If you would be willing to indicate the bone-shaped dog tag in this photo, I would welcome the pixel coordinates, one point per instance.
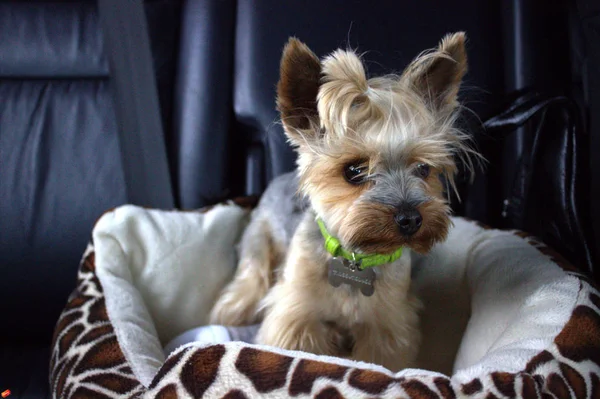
(343, 271)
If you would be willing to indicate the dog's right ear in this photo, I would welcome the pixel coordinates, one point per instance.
(299, 80)
(437, 75)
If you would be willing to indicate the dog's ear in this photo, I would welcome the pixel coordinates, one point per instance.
(437, 75)
(299, 79)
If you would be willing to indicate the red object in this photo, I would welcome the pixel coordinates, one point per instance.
(5, 393)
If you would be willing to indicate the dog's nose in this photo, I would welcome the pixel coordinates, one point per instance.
(409, 221)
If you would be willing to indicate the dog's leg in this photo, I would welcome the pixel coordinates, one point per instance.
(259, 256)
(394, 350)
(291, 323)
(262, 251)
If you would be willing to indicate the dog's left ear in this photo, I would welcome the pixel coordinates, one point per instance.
(299, 80)
(437, 75)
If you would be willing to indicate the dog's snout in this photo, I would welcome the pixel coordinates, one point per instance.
(409, 221)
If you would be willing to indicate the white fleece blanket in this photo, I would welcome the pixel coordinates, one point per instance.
(161, 273)
(491, 300)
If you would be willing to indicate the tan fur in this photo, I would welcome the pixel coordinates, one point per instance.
(302, 309)
(335, 116)
(260, 256)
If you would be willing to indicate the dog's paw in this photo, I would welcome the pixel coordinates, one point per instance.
(238, 303)
(234, 310)
(298, 329)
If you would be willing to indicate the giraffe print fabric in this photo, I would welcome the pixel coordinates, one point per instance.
(532, 331)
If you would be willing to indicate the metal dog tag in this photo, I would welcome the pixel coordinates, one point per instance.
(344, 271)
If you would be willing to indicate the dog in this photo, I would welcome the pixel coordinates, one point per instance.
(325, 262)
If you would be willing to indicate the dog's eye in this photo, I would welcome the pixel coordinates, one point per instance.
(423, 170)
(355, 173)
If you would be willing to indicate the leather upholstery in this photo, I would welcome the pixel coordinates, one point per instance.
(59, 169)
(59, 172)
(58, 40)
(60, 164)
(533, 33)
(552, 176)
(202, 115)
(217, 65)
(58, 147)
(586, 22)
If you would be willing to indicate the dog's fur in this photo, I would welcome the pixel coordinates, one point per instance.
(334, 116)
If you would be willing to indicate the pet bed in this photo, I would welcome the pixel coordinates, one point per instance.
(504, 317)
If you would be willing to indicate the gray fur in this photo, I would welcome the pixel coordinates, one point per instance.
(283, 205)
(275, 219)
(397, 188)
(281, 209)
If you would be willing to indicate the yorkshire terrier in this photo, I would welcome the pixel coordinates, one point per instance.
(328, 271)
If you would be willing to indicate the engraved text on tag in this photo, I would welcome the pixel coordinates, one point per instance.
(343, 271)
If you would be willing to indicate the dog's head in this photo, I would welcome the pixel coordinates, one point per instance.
(373, 153)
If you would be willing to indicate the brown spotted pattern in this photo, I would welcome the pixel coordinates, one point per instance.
(472, 387)
(87, 361)
(307, 371)
(370, 381)
(200, 370)
(267, 371)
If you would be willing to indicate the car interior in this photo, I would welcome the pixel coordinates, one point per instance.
(70, 149)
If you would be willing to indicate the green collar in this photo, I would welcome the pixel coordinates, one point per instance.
(333, 246)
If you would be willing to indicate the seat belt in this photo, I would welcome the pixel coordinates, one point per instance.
(141, 138)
